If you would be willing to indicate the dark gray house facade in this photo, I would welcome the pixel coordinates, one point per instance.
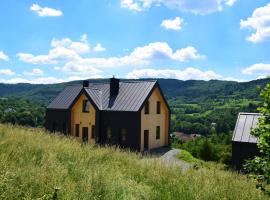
(244, 145)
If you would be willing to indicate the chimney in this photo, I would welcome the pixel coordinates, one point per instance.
(114, 86)
(85, 83)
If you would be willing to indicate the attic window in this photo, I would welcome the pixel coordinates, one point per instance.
(146, 108)
(158, 107)
(86, 106)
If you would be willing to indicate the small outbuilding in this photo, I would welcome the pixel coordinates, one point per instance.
(244, 145)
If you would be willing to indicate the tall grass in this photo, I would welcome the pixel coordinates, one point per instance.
(33, 164)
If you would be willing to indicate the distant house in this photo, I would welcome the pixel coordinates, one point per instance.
(184, 137)
(131, 114)
(244, 145)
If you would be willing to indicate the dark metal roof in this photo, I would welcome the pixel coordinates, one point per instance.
(244, 124)
(130, 97)
(66, 97)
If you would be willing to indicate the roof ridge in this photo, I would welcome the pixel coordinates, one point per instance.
(138, 81)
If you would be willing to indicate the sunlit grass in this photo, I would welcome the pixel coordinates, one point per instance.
(33, 163)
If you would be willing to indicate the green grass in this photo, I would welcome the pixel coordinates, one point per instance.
(33, 163)
(187, 157)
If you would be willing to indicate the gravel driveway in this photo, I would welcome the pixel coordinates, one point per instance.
(169, 158)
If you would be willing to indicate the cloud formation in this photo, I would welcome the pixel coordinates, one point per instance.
(3, 56)
(34, 72)
(7, 72)
(257, 68)
(174, 24)
(186, 74)
(260, 22)
(45, 11)
(99, 48)
(69, 56)
(193, 6)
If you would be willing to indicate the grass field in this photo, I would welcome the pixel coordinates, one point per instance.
(33, 164)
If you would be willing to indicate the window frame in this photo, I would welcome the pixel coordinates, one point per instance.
(147, 108)
(157, 132)
(158, 107)
(123, 134)
(84, 105)
(77, 130)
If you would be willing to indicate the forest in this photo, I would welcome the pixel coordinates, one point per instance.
(198, 107)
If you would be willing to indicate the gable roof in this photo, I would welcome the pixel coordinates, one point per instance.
(66, 97)
(245, 123)
(131, 95)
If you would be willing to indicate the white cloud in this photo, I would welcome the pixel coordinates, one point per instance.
(234, 79)
(257, 68)
(129, 4)
(186, 74)
(99, 48)
(34, 72)
(174, 24)
(46, 80)
(231, 2)
(260, 22)
(7, 72)
(3, 56)
(62, 50)
(193, 6)
(45, 11)
(69, 54)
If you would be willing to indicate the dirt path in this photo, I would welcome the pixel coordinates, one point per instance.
(169, 158)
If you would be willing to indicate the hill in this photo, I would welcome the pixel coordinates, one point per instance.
(34, 164)
(195, 105)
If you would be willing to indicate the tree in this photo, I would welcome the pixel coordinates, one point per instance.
(259, 167)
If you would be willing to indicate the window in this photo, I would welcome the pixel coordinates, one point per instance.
(123, 134)
(86, 106)
(158, 107)
(93, 132)
(146, 108)
(158, 132)
(77, 130)
(109, 133)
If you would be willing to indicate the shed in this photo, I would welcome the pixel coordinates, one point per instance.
(244, 145)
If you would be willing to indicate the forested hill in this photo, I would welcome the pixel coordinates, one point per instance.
(195, 104)
(172, 88)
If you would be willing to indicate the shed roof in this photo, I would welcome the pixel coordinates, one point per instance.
(245, 123)
(131, 95)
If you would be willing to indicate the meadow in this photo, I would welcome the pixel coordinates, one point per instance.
(38, 165)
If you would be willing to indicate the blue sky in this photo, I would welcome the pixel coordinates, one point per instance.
(49, 41)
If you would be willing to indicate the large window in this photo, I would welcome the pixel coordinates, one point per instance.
(158, 132)
(86, 106)
(146, 108)
(123, 135)
(158, 107)
(77, 130)
(93, 132)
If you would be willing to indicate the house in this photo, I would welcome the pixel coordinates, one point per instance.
(131, 114)
(244, 145)
(184, 137)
